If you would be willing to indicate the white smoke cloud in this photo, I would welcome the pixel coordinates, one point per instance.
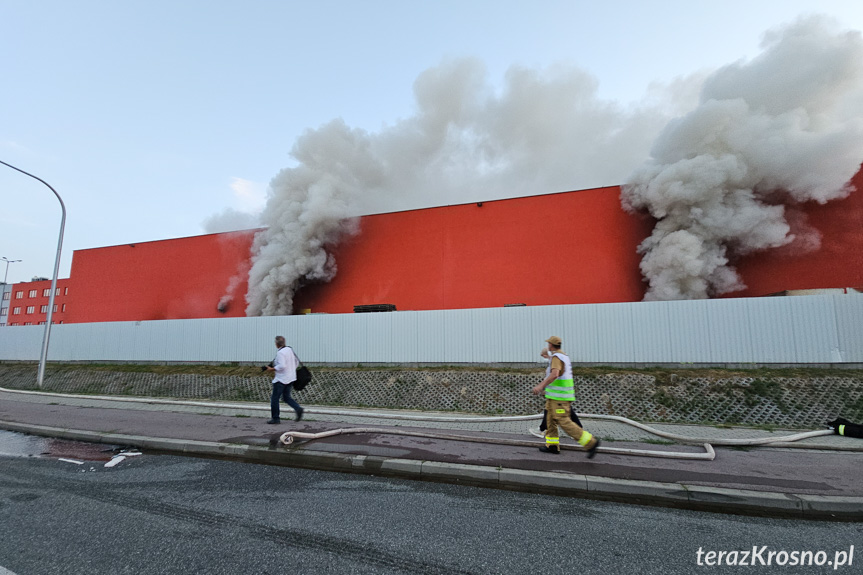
(545, 131)
(250, 198)
(309, 209)
(230, 220)
(784, 128)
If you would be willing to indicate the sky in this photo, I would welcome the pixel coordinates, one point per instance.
(153, 120)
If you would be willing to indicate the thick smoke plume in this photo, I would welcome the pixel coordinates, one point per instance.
(544, 131)
(768, 134)
(309, 209)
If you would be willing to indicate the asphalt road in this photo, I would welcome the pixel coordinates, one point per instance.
(165, 514)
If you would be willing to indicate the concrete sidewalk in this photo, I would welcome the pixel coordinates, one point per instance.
(819, 481)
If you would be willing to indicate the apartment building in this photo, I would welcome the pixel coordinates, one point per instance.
(28, 302)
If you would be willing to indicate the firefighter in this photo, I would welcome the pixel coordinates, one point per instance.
(572, 415)
(559, 395)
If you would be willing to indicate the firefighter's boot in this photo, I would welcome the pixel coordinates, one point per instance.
(591, 449)
(552, 445)
(589, 443)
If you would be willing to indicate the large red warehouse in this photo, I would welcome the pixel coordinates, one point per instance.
(565, 248)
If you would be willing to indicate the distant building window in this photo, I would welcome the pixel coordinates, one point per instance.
(64, 307)
(28, 323)
(16, 323)
(6, 295)
(42, 323)
(31, 309)
(33, 292)
(16, 310)
(46, 292)
(19, 294)
(4, 311)
(66, 291)
(44, 309)
(57, 292)
(55, 308)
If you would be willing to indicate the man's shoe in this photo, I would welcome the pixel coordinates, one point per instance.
(272, 421)
(547, 449)
(300, 414)
(592, 451)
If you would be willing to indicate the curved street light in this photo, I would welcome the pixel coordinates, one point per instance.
(8, 261)
(47, 335)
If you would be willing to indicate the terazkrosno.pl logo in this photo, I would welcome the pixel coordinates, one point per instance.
(758, 556)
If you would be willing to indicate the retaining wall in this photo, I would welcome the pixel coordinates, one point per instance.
(794, 401)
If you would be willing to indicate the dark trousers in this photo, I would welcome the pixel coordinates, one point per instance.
(282, 391)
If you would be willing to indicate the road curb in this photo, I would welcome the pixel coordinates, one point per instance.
(737, 501)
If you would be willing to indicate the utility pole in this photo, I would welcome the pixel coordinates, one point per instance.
(8, 261)
(47, 335)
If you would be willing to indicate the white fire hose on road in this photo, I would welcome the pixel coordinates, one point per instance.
(288, 437)
(709, 454)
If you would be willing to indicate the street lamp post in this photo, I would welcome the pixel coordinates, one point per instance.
(8, 261)
(47, 335)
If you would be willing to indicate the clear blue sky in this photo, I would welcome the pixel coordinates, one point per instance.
(149, 117)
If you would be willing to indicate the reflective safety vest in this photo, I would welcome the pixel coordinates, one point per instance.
(562, 388)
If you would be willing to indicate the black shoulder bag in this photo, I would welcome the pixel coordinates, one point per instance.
(304, 374)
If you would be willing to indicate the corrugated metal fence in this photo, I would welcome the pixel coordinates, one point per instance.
(823, 329)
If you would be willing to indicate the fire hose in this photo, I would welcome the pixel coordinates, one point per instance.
(709, 454)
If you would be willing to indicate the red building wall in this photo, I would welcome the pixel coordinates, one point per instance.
(35, 296)
(573, 247)
(169, 279)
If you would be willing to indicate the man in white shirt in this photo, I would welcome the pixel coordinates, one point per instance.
(285, 368)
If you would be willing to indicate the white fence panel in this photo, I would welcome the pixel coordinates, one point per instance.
(651, 333)
(773, 330)
(728, 333)
(580, 326)
(405, 340)
(377, 333)
(614, 333)
(690, 334)
(815, 334)
(431, 336)
(804, 329)
(458, 340)
(17, 343)
(849, 327)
